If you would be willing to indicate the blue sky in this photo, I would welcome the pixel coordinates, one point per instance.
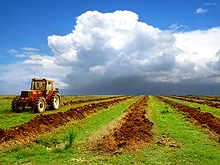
(111, 47)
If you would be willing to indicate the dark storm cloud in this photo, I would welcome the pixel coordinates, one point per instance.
(139, 86)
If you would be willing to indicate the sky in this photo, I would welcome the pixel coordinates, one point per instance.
(161, 47)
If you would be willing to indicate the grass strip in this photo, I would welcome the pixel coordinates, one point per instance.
(191, 144)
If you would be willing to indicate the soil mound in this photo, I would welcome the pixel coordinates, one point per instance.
(133, 129)
(68, 103)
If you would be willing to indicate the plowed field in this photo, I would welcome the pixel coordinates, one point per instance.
(112, 130)
(45, 123)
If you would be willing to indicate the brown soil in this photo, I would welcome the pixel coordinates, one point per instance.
(68, 103)
(205, 119)
(133, 129)
(44, 123)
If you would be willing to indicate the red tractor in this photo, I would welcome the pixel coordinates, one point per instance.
(40, 95)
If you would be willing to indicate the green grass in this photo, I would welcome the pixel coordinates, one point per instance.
(71, 138)
(8, 118)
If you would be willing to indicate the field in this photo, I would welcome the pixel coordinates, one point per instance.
(114, 130)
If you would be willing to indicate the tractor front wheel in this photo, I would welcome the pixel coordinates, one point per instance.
(16, 106)
(39, 105)
(55, 101)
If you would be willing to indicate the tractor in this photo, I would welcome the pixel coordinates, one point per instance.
(41, 95)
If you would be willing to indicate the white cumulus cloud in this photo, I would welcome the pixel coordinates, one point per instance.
(113, 47)
(115, 53)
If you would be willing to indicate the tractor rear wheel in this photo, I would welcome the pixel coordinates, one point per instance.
(16, 106)
(39, 105)
(55, 101)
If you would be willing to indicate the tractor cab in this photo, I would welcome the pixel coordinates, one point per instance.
(43, 85)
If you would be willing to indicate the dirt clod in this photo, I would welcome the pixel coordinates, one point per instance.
(167, 142)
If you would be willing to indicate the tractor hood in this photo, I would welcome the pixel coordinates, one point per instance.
(31, 93)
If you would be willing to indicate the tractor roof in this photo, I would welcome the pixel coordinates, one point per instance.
(40, 79)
